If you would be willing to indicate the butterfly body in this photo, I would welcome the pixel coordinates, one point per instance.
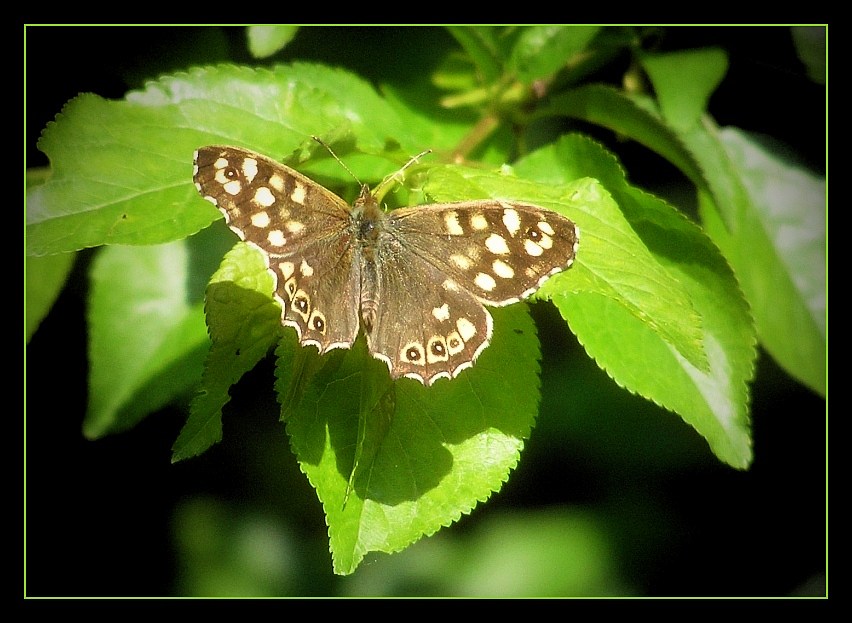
(414, 279)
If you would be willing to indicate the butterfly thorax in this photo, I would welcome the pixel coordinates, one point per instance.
(367, 219)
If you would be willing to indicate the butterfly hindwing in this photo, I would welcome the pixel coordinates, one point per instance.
(430, 327)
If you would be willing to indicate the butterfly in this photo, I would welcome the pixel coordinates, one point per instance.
(416, 280)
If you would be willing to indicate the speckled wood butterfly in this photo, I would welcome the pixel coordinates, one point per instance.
(415, 279)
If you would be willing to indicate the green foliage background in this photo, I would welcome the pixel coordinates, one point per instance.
(611, 494)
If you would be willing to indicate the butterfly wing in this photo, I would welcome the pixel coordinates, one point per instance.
(440, 263)
(426, 327)
(500, 251)
(301, 228)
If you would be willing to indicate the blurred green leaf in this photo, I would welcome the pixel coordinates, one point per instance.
(225, 552)
(264, 41)
(144, 330)
(44, 278)
(553, 552)
(482, 46)
(541, 51)
(778, 250)
(811, 48)
(684, 81)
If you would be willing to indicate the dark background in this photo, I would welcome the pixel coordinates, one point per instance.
(98, 514)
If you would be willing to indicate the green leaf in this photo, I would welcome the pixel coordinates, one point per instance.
(693, 149)
(264, 41)
(44, 278)
(395, 461)
(778, 251)
(244, 324)
(122, 170)
(684, 81)
(713, 399)
(147, 336)
(391, 461)
(629, 117)
(543, 50)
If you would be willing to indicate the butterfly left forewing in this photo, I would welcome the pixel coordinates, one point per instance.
(301, 229)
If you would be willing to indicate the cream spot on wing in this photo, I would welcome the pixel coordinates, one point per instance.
(264, 197)
(502, 269)
(497, 244)
(413, 353)
(250, 168)
(462, 261)
(455, 344)
(290, 285)
(298, 194)
(546, 241)
(532, 248)
(220, 163)
(451, 285)
(306, 269)
(436, 349)
(302, 304)
(485, 282)
(277, 182)
(441, 313)
(287, 269)
(478, 221)
(260, 219)
(233, 187)
(317, 322)
(276, 238)
(294, 227)
(512, 220)
(466, 329)
(546, 228)
(451, 220)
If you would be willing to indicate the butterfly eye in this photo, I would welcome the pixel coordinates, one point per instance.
(533, 234)
(230, 173)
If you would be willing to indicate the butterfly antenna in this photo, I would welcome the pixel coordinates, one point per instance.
(334, 155)
(398, 176)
